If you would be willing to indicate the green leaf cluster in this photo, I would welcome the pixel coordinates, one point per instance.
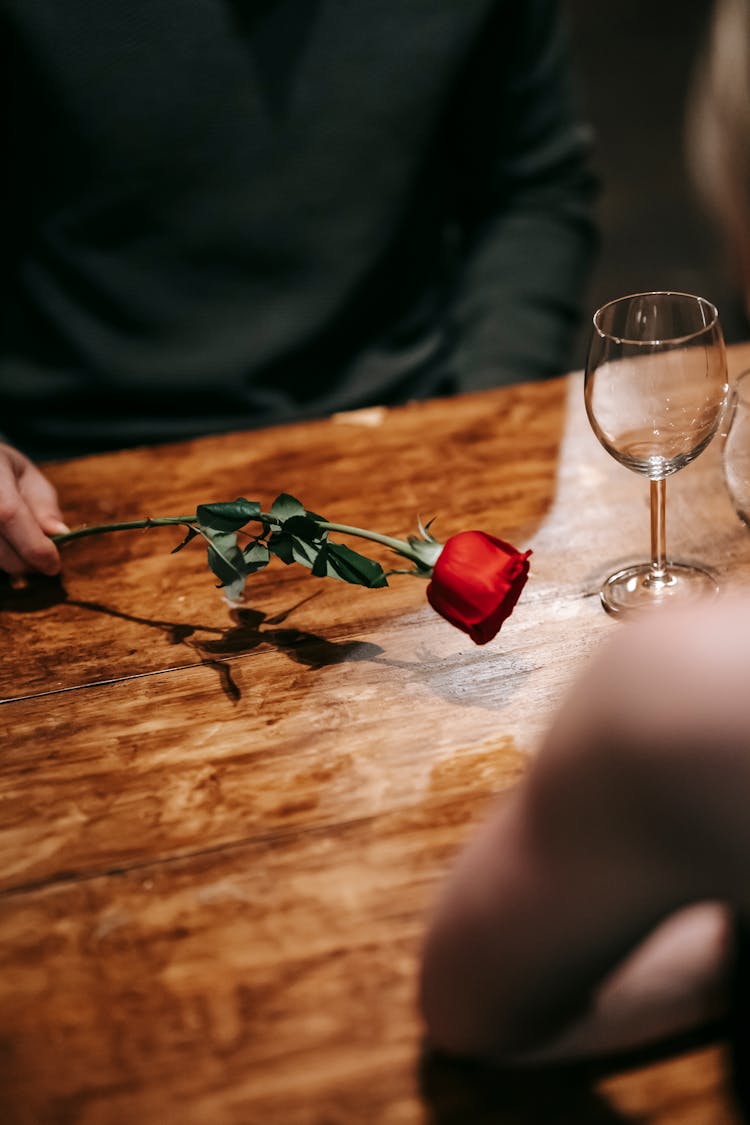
(289, 532)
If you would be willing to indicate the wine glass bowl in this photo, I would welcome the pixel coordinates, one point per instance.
(655, 393)
(654, 413)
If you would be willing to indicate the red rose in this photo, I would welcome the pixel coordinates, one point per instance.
(476, 583)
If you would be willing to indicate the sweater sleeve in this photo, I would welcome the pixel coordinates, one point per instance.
(524, 203)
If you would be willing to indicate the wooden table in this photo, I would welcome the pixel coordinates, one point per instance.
(221, 831)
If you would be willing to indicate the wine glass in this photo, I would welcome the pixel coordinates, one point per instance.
(655, 392)
(736, 453)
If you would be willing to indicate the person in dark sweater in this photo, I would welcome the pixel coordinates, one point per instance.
(234, 214)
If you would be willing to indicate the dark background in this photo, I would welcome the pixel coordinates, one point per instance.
(635, 60)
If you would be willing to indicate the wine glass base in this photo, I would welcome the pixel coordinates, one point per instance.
(636, 588)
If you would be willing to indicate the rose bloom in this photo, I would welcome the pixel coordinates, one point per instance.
(476, 583)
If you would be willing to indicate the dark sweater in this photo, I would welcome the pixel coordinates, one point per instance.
(220, 214)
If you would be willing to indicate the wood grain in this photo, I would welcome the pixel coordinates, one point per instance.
(221, 831)
(272, 982)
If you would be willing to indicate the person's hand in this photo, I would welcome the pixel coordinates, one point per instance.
(29, 514)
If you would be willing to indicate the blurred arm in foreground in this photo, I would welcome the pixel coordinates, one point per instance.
(593, 912)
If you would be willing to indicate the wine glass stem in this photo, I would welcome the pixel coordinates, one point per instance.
(658, 530)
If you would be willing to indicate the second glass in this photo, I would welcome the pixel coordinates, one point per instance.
(655, 392)
(736, 453)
